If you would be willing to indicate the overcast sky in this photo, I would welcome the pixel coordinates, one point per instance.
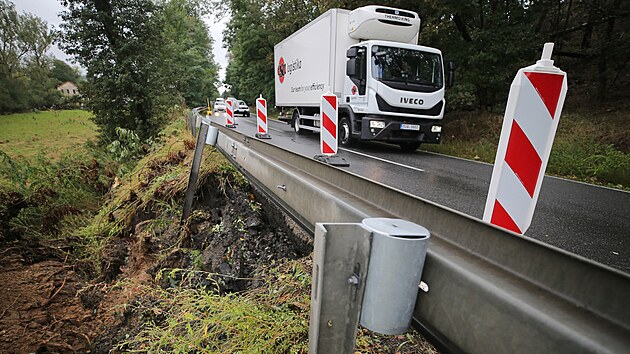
(48, 10)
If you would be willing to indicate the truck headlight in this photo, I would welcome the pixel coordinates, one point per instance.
(436, 129)
(377, 124)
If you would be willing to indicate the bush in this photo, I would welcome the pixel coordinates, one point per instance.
(589, 160)
(42, 193)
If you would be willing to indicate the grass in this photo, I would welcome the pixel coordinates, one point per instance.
(590, 146)
(271, 318)
(51, 133)
(157, 182)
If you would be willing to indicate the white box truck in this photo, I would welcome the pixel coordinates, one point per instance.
(389, 88)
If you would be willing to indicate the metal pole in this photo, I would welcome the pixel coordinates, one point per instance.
(188, 119)
(194, 171)
(193, 125)
(340, 263)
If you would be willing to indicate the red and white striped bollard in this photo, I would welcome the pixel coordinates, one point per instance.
(531, 119)
(261, 118)
(229, 109)
(329, 122)
(328, 131)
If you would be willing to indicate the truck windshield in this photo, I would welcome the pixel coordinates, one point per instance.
(407, 66)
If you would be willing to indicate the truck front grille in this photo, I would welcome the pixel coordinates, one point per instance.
(386, 107)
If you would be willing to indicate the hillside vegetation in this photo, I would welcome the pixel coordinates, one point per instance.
(591, 145)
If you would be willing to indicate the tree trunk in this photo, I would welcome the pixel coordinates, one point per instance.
(602, 62)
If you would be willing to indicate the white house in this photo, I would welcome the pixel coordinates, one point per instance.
(68, 88)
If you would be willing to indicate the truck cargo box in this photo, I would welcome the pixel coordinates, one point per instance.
(311, 61)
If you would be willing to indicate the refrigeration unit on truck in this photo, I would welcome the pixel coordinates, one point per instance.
(389, 88)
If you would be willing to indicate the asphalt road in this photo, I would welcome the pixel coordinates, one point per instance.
(588, 220)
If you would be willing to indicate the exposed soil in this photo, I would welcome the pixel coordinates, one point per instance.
(48, 305)
(40, 311)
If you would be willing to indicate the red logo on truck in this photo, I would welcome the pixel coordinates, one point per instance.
(282, 69)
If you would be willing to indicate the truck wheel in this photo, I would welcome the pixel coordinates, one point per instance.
(295, 123)
(409, 146)
(345, 132)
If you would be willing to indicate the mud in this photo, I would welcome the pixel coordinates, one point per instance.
(230, 233)
(50, 306)
(40, 311)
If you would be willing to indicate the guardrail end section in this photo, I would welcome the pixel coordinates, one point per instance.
(340, 262)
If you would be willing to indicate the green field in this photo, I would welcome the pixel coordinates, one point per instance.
(52, 133)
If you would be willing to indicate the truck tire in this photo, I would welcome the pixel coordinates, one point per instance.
(295, 124)
(409, 146)
(345, 132)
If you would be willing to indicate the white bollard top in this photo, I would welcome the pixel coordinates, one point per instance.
(545, 59)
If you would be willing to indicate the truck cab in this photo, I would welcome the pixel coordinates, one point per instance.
(393, 92)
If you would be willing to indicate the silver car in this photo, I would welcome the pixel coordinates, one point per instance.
(242, 109)
(219, 104)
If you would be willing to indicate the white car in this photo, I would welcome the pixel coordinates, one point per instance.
(242, 109)
(219, 104)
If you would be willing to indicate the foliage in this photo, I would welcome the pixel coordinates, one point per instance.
(588, 160)
(253, 30)
(190, 56)
(141, 57)
(488, 40)
(579, 150)
(44, 192)
(46, 176)
(154, 183)
(24, 65)
(116, 41)
(62, 72)
(271, 319)
(127, 146)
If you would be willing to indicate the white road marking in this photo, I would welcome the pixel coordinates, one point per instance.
(384, 160)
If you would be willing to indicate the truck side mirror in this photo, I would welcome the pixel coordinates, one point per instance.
(451, 74)
(351, 52)
(351, 67)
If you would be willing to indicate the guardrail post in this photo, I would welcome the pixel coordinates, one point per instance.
(193, 123)
(194, 171)
(188, 113)
(341, 255)
(369, 271)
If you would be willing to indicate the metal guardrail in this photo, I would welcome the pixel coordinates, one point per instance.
(490, 291)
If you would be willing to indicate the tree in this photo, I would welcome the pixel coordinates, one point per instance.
(592, 41)
(141, 57)
(24, 64)
(254, 28)
(62, 72)
(189, 47)
(117, 41)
